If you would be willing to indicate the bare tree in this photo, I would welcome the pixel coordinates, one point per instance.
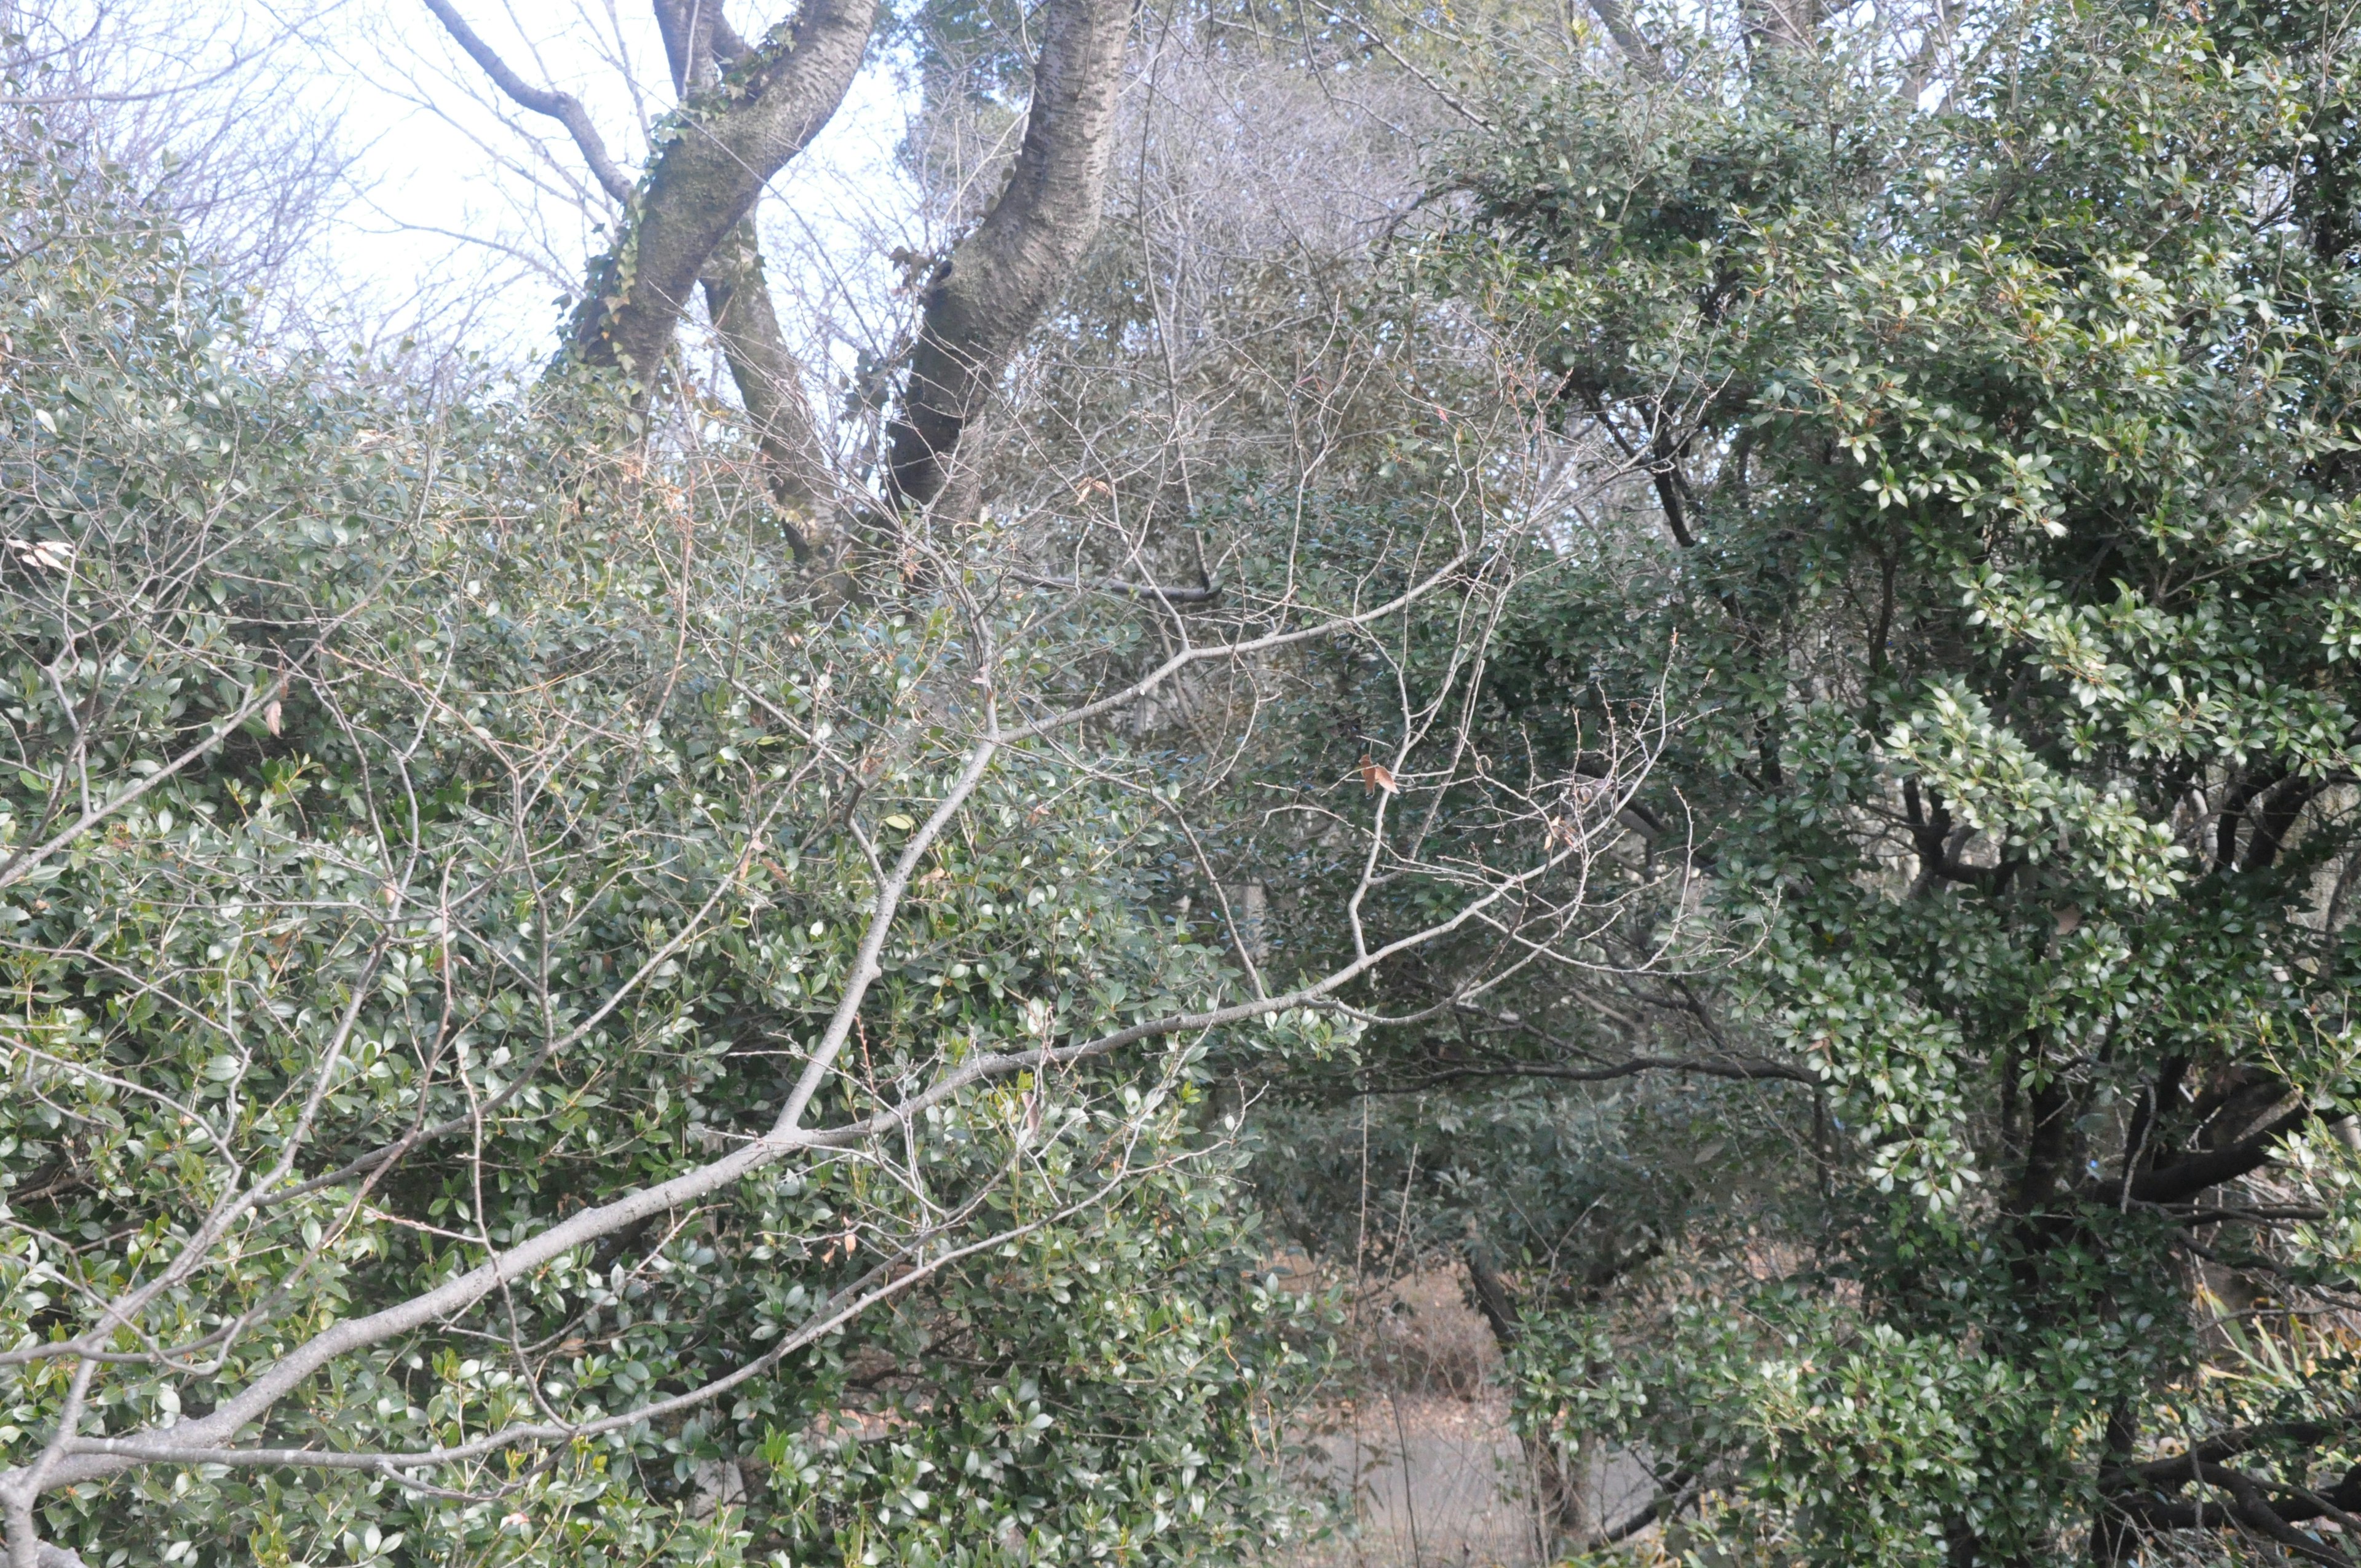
(177, 109)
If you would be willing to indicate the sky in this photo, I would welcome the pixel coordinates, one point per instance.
(454, 212)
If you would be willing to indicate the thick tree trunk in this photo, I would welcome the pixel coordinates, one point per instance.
(999, 282)
(769, 110)
(725, 144)
(745, 111)
(700, 44)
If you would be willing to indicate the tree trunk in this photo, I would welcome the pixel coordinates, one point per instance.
(745, 111)
(724, 144)
(634, 326)
(1616, 18)
(700, 44)
(1562, 1509)
(769, 378)
(998, 281)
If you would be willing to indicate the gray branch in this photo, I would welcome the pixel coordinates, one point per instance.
(563, 107)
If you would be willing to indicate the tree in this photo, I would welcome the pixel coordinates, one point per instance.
(746, 110)
(537, 1029)
(1989, 502)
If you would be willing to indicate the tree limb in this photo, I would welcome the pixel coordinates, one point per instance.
(1741, 1068)
(715, 155)
(768, 377)
(563, 107)
(2193, 1173)
(997, 282)
(697, 43)
(1641, 55)
(1209, 594)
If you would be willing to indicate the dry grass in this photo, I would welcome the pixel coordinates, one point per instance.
(1417, 1457)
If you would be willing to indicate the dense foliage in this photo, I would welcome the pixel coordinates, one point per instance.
(1784, 785)
(425, 825)
(1998, 465)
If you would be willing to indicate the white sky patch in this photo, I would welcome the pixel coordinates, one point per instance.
(431, 205)
(460, 194)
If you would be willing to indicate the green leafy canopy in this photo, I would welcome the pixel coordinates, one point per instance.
(2000, 462)
(421, 826)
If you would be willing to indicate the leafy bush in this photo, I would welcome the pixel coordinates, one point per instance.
(1999, 462)
(434, 835)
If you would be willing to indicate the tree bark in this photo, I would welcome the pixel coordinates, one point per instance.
(1783, 25)
(722, 147)
(699, 45)
(769, 378)
(1616, 18)
(998, 281)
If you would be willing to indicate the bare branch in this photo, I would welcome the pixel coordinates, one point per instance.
(563, 107)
